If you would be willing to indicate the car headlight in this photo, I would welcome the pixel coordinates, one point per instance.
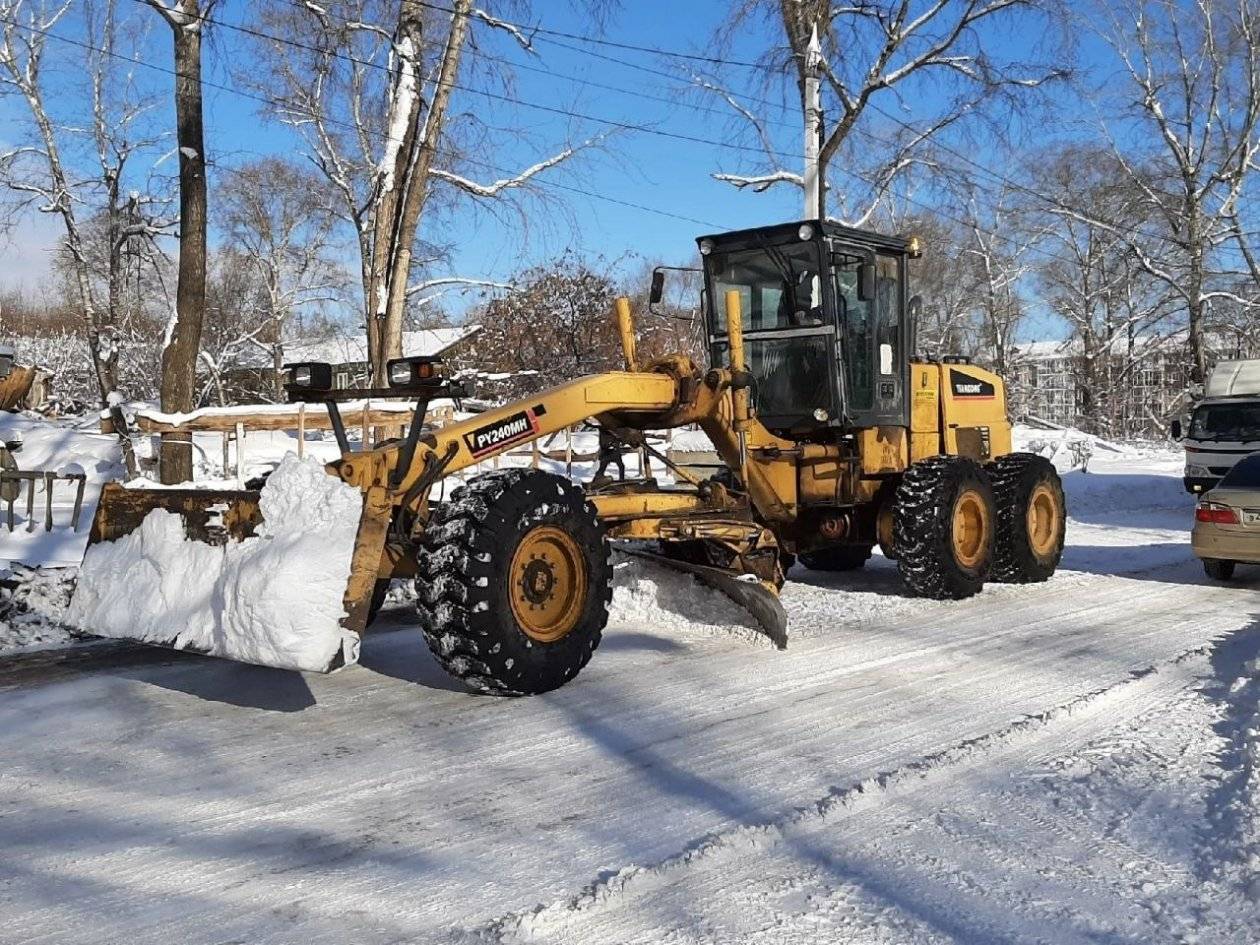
(1199, 471)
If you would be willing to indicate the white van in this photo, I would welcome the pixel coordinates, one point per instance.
(1225, 424)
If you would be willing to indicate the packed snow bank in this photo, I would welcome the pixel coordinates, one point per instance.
(32, 605)
(647, 594)
(274, 599)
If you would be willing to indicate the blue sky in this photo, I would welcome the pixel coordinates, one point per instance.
(657, 173)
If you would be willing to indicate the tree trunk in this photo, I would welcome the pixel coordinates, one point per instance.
(179, 357)
(1195, 310)
(398, 216)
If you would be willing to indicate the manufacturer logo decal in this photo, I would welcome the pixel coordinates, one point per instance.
(494, 436)
(964, 385)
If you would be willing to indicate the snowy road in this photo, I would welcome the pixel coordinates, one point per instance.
(868, 784)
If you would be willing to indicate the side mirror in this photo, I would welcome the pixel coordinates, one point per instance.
(866, 282)
(658, 286)
(1175, 429)
(914, 310)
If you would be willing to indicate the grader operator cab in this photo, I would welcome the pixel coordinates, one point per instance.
(834, 437)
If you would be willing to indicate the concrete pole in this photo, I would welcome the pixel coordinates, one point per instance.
(813, 128)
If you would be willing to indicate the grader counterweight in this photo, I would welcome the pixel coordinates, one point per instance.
(835, 440)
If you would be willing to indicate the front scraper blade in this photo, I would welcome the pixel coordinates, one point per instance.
(753, 596)
(276, 597)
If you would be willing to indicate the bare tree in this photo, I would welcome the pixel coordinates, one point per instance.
(277, 216)
(183, 335)
(109, 228)
(1000, 247)
(943, 278)
(555, 324)
(330, 65)
(1190, 117)
(879, 51)
(1091, 277)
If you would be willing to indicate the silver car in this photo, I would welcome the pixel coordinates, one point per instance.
(1227, 521)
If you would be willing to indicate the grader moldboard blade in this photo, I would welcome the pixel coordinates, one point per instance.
(747, 592)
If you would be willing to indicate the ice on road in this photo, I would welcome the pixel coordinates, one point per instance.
(1067, 762)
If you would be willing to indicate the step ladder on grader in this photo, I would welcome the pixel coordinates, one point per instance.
(835, 440)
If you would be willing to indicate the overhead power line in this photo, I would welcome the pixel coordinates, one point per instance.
(381, 135)
(384, 136)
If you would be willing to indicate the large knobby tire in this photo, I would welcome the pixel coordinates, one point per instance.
(943, 525)
(1031, 518)
(837, 558)
(514, 582)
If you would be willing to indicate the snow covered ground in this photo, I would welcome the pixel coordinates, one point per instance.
(1072, 762)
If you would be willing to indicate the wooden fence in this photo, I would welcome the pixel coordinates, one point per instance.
(376, 422)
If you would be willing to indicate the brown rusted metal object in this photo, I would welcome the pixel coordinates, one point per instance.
(212, 516)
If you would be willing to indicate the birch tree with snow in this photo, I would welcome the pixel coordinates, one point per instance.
(896, 76)
(369, 85)
(84, 137)
(278, 218)
(1091, 276)
(1186, 131)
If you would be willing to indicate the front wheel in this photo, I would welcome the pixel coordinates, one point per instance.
(514, 582)
(943, 527)
(1218, 570)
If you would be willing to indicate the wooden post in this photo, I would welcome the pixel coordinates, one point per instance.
(533, 450)
(227, 452)
(301, 450)
(240, 455)
(367, 430)
(568, 451)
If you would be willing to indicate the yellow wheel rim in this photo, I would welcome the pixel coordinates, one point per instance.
(548, 584)
(1045, 514)
(970, 528)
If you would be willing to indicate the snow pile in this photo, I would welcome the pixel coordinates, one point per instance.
(1238, 808)
(1067, 449)
(274, 599)
(32, 605)
(647, 594)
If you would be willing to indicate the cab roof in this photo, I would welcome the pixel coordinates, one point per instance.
(786, 232)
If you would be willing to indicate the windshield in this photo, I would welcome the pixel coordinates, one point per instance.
(1226, 422)
(779, 286)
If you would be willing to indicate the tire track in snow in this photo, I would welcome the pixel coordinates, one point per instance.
(867, 794)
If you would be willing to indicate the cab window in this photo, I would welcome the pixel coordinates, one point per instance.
(779, 286)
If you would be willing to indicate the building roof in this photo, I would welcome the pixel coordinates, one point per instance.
(351, 347)
(1217, 343)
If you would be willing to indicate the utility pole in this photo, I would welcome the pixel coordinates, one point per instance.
(812, 100)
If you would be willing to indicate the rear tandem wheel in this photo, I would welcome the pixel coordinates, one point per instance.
(514, 582)
(943, 527)
(1031, 516)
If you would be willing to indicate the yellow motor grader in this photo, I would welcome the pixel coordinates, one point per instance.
(834, 437)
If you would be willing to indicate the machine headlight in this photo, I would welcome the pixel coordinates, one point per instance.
(313, 375)
(821, 415)
(706, 247)
(409, 372)
(806, 232)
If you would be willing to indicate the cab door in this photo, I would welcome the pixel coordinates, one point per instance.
(875, 365)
